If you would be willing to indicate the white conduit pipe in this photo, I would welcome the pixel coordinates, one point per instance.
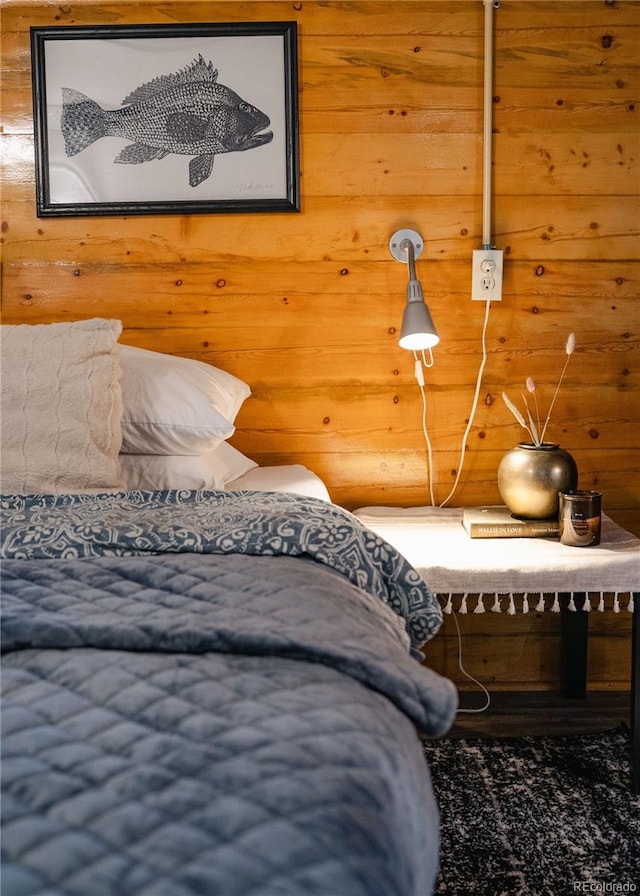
(489, 6)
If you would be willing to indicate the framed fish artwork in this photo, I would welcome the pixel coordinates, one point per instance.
(166, 119)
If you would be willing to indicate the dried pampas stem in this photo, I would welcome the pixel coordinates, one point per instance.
(516, 413)
(569, 348)
(532, 427)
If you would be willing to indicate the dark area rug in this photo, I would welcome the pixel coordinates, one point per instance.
(531, 816)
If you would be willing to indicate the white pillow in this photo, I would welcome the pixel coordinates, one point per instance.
(176, 405)
(157, 472)
(286, 478)
(61, 407)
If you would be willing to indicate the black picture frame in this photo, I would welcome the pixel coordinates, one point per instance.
(191, 135)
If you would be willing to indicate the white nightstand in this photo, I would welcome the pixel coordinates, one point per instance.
(451, 562)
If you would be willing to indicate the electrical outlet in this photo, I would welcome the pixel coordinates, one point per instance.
(486, 276)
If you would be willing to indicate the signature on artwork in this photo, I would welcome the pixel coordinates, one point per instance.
(254, 186)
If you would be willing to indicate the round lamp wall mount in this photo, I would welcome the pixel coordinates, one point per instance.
(399, 250)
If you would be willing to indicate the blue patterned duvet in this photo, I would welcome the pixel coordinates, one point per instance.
(213, 693)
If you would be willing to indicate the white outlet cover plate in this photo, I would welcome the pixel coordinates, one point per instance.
(483, 285)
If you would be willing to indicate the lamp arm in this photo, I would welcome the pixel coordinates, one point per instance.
(410, 249)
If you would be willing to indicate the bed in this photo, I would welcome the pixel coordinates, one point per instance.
(206, 690)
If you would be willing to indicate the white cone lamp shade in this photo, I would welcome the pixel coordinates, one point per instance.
(418, 329)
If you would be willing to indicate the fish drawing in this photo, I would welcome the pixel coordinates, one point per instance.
(188, 113)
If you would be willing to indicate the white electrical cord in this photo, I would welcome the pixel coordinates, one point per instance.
(466, 674)
(420, 380)
(474, 404)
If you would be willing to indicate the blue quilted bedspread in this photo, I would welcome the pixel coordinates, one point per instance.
(229, 723)
(39, 526)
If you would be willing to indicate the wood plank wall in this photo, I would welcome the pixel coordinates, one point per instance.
(306, 307)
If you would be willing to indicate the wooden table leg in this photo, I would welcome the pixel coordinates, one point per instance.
(575, 636)
(635, 695)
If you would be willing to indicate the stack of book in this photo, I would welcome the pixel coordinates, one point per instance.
(497, 521)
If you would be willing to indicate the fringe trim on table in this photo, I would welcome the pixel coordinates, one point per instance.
(549, 602)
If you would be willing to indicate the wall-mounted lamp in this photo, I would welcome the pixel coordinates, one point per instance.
(418, 329)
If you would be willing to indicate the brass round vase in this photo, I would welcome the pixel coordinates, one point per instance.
(530, 477)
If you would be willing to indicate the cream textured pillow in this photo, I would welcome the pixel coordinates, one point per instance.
(176, 405)
(61, 407)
